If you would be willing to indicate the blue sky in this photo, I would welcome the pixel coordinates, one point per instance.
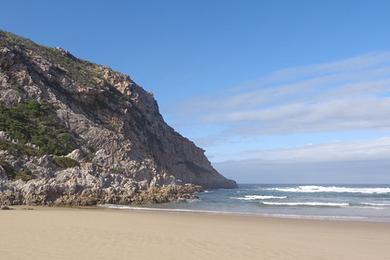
(271, 82)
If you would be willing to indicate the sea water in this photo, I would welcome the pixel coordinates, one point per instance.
(359, 202)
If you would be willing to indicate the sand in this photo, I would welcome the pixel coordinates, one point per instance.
(56, 233)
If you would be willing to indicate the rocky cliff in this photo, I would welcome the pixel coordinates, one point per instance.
(76, 133)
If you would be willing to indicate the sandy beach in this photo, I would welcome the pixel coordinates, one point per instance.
(60, 233)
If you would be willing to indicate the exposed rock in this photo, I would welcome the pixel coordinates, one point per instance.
(108, 142)
(77, 155)
(75, 187)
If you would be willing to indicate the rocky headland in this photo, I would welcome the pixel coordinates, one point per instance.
(74, 133)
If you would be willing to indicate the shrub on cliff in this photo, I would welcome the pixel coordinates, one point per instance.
(118, 170)
(9, 170)
(18, 149)
(65, 162)
(38, 124)
(24, 175)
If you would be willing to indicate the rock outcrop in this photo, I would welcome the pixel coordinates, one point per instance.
(77, 133)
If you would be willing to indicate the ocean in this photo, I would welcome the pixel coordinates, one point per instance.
(349, 202)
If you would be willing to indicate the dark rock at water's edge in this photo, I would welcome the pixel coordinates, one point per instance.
(76, 133)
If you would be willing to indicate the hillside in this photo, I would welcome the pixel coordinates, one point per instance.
(76, 133)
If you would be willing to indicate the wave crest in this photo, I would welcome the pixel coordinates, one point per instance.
(258, 197)
(314, 204)
(313, 189)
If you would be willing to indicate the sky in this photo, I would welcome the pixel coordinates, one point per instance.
(274, 91)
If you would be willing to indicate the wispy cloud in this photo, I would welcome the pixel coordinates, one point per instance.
(350, 94)
(375, 149)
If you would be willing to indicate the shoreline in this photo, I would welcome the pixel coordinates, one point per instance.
(134, 209)
(184, 212)
(100, 233)
(253, 214)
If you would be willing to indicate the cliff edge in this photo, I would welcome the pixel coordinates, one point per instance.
(76, 133)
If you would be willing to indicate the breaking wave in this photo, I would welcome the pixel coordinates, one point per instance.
(258, 197)
(313, 189)
(314, 204)
(328, 204)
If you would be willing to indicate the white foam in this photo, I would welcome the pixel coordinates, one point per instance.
(313, 189)
(318, 204)
(370, 207)
(377, 204)
(274, 215)
(192, 200)
(124, 207)
(317, 217)
(258, 197)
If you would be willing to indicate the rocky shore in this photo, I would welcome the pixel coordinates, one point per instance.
(74, 133)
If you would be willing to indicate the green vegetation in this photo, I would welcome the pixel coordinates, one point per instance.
(18, 149)
(65, 162)
(24, 175)
(38, 124)
(117, 170)
(82, 71)
(9, 170)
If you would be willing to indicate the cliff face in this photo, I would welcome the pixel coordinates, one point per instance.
(65, 117)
